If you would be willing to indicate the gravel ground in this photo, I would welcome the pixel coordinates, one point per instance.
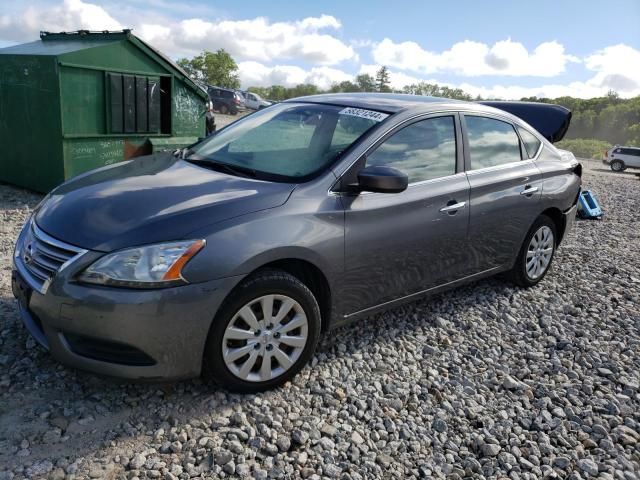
(484, 381)
(224, 120)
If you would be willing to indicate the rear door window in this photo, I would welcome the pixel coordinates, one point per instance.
(631, 151)
(492, 142)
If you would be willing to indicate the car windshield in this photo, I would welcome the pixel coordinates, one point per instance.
(288, 141)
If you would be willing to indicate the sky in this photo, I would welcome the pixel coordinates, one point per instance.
(494, 48)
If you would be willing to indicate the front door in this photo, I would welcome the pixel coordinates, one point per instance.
(403, 243)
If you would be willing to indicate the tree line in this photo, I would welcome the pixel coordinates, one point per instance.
(597, 123)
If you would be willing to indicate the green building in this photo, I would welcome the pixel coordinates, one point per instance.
(71, 102)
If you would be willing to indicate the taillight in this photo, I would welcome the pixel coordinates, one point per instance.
(578, 170)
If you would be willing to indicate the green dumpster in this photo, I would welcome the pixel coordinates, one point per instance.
(71, 102)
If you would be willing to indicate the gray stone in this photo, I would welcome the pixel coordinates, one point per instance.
(588, 466)
(489, 449)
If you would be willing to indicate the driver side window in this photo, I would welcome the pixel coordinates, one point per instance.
(423, 150)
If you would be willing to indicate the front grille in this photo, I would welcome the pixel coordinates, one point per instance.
(43, 256)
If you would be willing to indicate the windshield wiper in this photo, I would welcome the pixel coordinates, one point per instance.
(236, 170)
(182, 152)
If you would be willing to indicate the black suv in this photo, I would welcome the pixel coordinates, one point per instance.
(225, 100)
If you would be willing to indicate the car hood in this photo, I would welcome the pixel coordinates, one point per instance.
(151, 199)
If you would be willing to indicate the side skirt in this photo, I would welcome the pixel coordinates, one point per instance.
(346, 319)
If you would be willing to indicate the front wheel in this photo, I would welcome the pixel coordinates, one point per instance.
(264, 334)
(617, 166)
(536, 253)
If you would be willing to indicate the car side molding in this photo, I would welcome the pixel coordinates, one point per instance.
(552, 121)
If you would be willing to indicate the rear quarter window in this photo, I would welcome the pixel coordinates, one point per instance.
(530, 141)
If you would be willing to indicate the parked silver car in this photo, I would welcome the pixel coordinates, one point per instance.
(233, 257)
(255, 101)
(620, 158)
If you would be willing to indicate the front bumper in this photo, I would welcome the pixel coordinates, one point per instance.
(134, 334)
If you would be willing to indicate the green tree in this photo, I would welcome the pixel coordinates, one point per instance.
(434, 90)
(214, 68)
(365, 83)
(383, 83)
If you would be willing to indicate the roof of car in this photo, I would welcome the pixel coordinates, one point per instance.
(385, 102)
(213, 87)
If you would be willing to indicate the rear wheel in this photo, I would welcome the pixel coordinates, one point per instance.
(617, 166)
(264, 334)
(224, 109)
(536, 253)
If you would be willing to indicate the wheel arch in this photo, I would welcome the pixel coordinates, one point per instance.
(620, 161)
(556, 215)
(312, 276)
(302, 264)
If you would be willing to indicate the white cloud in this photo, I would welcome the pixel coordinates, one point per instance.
(255, 74)
(471, 58)
(254, 39)
(69, 15)
(617, 67)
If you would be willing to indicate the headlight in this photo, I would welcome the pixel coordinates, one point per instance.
(151, 266)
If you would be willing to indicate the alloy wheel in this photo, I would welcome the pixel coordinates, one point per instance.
(539, 253)
(265, 338)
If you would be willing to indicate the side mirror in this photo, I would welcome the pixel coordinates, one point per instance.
(382, 179)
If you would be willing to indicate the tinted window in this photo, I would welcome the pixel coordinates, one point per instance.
(423, 150)
(289, 140)
(531, 142)
(630, 151)
(491, 142)
(280, 134)
(348, 129)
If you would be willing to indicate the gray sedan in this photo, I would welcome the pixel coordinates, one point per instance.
(232, 257)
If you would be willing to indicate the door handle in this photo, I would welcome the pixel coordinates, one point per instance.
(529, 190)
(453, 208)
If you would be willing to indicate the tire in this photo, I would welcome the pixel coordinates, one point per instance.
(230, 335)
(224, 109)
(617, 166)
(532, 264)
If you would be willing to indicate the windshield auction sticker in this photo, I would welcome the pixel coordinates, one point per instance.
(362, 113)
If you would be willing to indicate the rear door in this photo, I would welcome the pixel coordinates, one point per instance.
(251, 101)
(403, 243)
(631, 157)
(506, 188)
